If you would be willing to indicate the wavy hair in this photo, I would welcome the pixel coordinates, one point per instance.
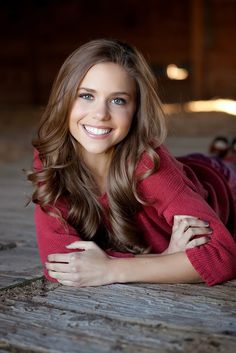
(65, 177)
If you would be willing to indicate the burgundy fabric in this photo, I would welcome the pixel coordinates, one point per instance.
(220, 196)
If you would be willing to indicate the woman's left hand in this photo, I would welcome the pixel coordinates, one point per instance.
(89, 267)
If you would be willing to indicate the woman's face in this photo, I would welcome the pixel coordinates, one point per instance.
(103, 111)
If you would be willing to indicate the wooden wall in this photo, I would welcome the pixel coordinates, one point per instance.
(36, 37)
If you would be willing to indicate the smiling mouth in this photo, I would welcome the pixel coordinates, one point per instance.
(96, 131)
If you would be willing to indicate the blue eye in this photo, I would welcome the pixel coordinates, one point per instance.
(86, 96)
(119, 101)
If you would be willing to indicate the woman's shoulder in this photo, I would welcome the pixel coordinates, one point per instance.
(167, 180)
(167, 162)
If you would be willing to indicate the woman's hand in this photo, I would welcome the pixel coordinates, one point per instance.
(89, 267)
(184, 229)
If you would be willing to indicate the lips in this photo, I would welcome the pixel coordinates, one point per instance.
(96, 131)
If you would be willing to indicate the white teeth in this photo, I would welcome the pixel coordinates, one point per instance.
(96, 131)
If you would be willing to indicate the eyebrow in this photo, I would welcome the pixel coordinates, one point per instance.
(94, 91)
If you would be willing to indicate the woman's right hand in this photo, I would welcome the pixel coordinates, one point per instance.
(184, 231)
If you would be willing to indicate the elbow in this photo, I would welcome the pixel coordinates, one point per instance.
(213, 266)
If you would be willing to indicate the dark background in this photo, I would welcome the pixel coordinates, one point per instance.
(199, 35)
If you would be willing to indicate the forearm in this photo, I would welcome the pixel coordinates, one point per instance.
(152, 255)
(174, 268)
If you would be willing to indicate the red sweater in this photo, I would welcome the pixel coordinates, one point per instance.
(175, 189)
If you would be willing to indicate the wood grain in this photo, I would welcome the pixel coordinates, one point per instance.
(115, 318)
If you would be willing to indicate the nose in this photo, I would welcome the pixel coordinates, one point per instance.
(101, 111)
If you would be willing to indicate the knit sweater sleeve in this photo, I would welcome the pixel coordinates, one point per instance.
(52, 236)
(215, 261)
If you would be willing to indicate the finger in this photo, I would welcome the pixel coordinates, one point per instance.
(191, 232)
(197, 242)
(184, 225)
(187, 223)
(59, 257)
(191, 220)
(67, 283)
(197, 222)
(82, 245)
(58, 267)
(70, 283)
(68, 276)
(179, 218)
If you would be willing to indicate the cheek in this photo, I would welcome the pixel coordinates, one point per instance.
(78, 111)
(72, 120)
(125, 122)
(75, 118)
(129, 117)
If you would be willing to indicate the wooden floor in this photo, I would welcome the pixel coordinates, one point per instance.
(38, 316)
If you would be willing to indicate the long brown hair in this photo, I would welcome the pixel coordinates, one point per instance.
(64, 176)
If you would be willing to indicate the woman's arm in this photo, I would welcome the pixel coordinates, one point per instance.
(173, 268)
(93, 267)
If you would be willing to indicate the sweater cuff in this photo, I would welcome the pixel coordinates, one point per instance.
(195, 259)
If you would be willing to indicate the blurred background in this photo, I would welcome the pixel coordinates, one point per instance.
(190, 45)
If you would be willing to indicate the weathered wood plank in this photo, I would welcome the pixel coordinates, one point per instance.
(62, 331)
(19, 259)
(19, 264)
(105, 325)
(5, 245)
(9, 282)
(16, 226)
(17, 231)
(219, 292)
(20, 220)
(11, 193)
(154, 306)
(21, 237)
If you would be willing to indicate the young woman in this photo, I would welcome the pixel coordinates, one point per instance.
(112, 204)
